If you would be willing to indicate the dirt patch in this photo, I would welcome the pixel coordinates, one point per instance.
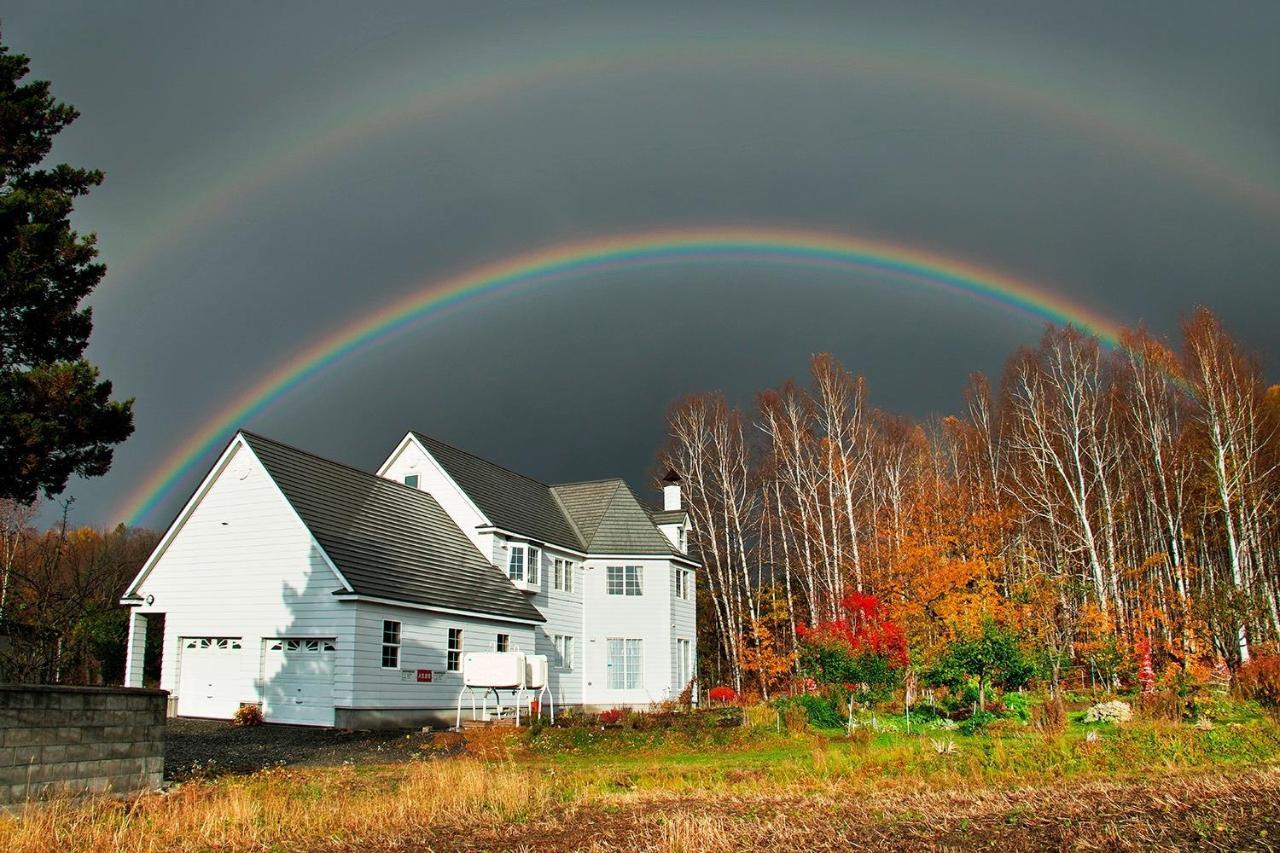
(1219, 812)
(215, 747)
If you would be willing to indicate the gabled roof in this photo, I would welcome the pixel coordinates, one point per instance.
(611, 518)
(388, 540)
(509, 500)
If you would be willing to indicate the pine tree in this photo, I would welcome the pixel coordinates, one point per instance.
(57, 417)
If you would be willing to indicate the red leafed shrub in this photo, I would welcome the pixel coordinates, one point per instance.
(1260, 679)
(865, 651)
(611, 717)
(722, 694)
(248, 715)
(1146, 671)
(865, 628)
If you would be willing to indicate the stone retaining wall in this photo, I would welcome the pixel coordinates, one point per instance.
(77, 740)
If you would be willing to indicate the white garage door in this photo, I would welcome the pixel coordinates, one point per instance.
(297, 681)
(209, 677)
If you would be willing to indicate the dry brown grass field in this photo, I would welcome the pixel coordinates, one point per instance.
(1137, 786)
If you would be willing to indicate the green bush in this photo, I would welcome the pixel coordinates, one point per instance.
(924, 713)
(977, 723)
(822, 712)
(992, 658)
(1017, 707)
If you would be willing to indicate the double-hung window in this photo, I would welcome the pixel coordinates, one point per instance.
(515, 563)
(682, 576)
(502, 643)
(535, 565)
(625, 658)
(390, 644)
(564, 651)
(453, 657)
(563, 575)
(624, 580)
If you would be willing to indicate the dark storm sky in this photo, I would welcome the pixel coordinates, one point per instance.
(1125, 155)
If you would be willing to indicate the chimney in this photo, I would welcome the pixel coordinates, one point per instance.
(671, 490)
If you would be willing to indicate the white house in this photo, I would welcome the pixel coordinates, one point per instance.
(334, 596)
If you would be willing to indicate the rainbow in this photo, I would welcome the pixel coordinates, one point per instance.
(400, 98)
(572, 261)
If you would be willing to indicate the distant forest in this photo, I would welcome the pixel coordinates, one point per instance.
(60, 615)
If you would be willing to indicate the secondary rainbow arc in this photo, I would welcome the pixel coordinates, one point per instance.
(394, 105)
(572, 261)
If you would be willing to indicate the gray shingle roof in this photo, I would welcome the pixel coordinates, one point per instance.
(611, 518)
(387, 539)
(668, 516)
(509, 500)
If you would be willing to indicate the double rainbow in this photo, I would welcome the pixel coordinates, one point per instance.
(404, 98)
(572, 261)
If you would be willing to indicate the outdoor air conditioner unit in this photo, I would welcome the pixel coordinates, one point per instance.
(503, 670)
(536, 669)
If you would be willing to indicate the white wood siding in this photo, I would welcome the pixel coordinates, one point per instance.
(684, 626)
(563, 611)
(243, 565)
(424, 638)
(645, 617)
(412, 458)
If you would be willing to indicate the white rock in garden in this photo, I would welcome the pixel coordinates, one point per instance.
(1109, 712)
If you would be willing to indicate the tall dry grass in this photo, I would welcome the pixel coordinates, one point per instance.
(694, 833)
(290, 809)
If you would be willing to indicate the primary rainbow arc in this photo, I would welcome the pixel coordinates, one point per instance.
(574, 260)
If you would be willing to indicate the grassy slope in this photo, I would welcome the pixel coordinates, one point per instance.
(1136, 784)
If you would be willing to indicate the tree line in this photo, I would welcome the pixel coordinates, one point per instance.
(1097, 501)
(60, 615)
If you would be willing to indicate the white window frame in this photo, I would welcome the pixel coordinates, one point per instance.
(502, 643)
(629, 580)
(392, 645)
(684, 663)
(630, 675)
(533, 565)
(564, 574)
(682, 582)
(512, 551)
(564, 651)
(453, 653)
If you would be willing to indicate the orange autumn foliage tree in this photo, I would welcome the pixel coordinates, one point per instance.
(768, 655)
(1091, 497)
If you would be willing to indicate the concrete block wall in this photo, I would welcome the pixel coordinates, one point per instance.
(78, 740)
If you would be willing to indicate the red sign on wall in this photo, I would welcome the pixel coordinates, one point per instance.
(424, 675)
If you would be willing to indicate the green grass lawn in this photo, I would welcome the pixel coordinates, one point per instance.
(1241, 735)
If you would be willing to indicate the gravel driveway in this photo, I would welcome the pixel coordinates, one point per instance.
(214, 747)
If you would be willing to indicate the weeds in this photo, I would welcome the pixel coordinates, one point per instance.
(564, 776)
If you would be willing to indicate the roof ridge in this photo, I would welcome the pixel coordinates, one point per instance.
(421, 435)
(260, 437)
(589, 482)
(568, 516)
(595, 529)
(645, 510)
